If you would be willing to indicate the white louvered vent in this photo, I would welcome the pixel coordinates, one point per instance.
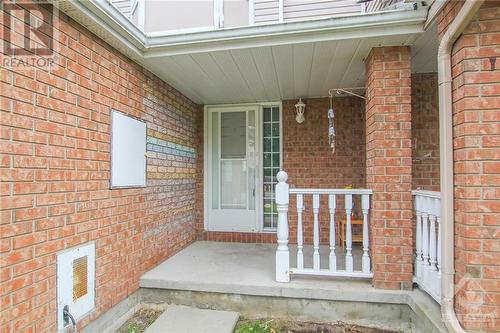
(75, 282)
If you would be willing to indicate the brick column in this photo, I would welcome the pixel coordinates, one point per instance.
(388, 165)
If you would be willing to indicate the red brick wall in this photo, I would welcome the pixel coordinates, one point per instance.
(389, 166)
(308, 158)
(425, 131)
(476, 128)
(55, 170)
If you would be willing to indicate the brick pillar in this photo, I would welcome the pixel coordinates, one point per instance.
(388, 165)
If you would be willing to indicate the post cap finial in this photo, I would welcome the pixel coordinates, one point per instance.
(282, 176)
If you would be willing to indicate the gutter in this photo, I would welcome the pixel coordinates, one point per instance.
(362, 21)
(110, 25)
(467, 12)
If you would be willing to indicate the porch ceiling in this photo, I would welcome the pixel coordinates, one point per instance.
(282, 72)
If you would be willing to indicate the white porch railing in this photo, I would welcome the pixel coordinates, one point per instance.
(427, 272)
(283, 267)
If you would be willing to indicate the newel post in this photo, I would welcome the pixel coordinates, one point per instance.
(282, 252)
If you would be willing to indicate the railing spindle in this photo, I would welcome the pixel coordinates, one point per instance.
(432, 241)
(438, 221)
(348, 234)
(316, 257)
(365, 206)
(300, 235)
(333, 258)
(425, 238)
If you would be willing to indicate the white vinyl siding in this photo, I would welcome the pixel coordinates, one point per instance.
(297, 10)
(379, 5)
(123, 6)
(266, 11)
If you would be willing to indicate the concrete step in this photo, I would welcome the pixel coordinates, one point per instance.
(184, 319)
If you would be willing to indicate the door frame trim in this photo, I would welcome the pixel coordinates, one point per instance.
(260, 200)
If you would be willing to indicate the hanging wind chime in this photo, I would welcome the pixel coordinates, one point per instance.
(331, 125)
(331, 112)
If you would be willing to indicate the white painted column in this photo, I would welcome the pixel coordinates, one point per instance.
(348, 234)
(282, 252)
(316, 258)
(333, 235)
(365, 206)
(300, 235)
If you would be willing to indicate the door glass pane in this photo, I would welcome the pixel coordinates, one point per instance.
(276, 130)
(268, 175)
(233, 184)
(276, 159)
(276, 144)
(267, 144)
(276, 114)
(267, 130)
(251, 159)
(233, 134)
(215, 160)
(267, 117)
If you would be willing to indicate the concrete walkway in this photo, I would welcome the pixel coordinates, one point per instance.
(184, 319)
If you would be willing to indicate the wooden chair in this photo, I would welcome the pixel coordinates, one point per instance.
(356, 237)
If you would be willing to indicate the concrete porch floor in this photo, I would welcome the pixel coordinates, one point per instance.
(249, 269)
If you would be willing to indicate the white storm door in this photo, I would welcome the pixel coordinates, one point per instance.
(232, 168)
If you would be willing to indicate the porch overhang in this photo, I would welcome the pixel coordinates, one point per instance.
(255, 63)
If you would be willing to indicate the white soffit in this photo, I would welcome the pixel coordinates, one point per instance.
(272, 72)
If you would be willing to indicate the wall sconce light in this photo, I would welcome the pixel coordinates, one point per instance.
(300, 107)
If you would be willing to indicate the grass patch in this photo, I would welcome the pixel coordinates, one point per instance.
(256, 326)
(139, 321)
(282, 326)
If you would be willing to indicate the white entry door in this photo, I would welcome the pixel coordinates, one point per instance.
(232, 168)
